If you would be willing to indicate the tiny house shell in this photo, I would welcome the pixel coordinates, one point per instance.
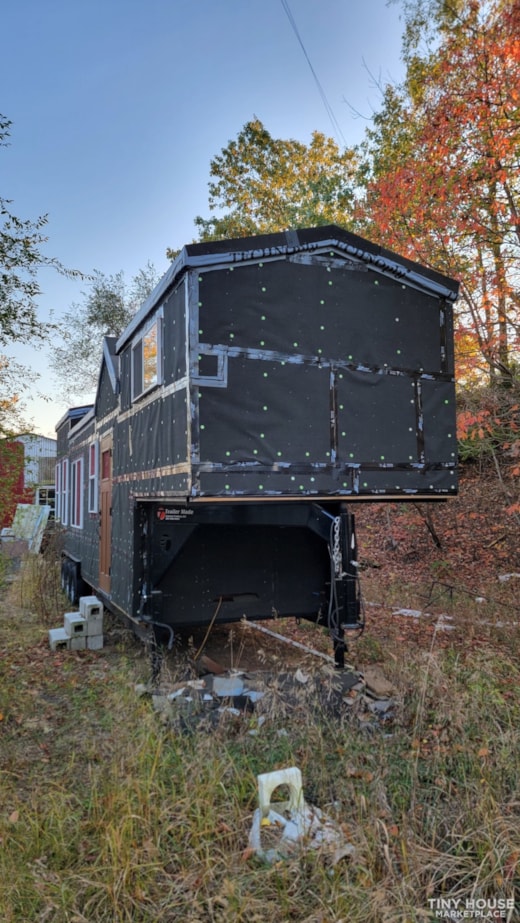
(306, 367)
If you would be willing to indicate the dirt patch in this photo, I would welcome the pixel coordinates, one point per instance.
(245, 646)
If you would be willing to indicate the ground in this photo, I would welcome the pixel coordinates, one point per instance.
(113, 811)
(459, 559)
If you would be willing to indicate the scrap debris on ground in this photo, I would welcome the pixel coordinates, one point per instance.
(206, 691)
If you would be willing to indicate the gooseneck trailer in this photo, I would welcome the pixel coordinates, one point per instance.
(266, 386)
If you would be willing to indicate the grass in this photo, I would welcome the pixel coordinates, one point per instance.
(109, 816)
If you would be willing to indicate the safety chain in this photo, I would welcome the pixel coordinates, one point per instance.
(336, 551)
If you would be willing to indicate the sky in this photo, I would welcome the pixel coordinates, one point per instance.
(118, 106)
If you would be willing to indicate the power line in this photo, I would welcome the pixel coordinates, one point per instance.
(334, 122)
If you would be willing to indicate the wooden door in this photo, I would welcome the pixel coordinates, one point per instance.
(105, 512)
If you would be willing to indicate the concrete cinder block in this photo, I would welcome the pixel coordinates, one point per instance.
(75, 625)
(90, 606)
(94, 625)
(79, 643)
(59, 639)
(94, 642)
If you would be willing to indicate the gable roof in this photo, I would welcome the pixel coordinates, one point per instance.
(285, 243)
(74, 415)
(111, 360)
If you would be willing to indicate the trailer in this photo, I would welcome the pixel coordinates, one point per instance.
(266, 386)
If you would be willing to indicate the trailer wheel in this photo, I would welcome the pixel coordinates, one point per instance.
(70, 583)
(82, 588)
(76, 586)
(73, 584)
(63, 574)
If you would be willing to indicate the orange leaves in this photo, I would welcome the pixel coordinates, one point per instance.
(247, 854)
(488, 428)
(511, 864)
(474, 424)
(444, 175)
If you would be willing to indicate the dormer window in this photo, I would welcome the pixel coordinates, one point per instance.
(147, 360)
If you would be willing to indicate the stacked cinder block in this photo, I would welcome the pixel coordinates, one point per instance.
(81, 630)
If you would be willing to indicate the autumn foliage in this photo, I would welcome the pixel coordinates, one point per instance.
(442, 174)
(11, 480)
(261, 184)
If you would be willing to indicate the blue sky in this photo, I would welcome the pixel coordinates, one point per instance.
(118, 107)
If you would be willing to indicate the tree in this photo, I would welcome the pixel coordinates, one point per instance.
(11, 452)
(21, 257)
(262, 184)
(14, 379)
(441, 167)
(106, 309)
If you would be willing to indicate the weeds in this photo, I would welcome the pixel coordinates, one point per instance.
(106, 816)
(3, 570)
(40, 582)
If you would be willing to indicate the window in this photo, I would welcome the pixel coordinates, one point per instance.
(146, 360)
(93, 477)
(64, 491)
(57, 484)
(76, 494)
(213, 367)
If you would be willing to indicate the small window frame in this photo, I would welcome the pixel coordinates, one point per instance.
(219, 379)
(64, 492)
(93, 477)
(145, 375)
(57, 486)
(76, 493)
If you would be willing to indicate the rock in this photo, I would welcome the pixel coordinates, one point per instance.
(411, 613)
(381, 706)
(377, 685)
(345, 680)
(161, 703)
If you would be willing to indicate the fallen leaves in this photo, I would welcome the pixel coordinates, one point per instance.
(363, 774)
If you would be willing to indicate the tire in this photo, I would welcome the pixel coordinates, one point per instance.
(64, 574)
(72, 582)
(72, 586)
(82, 588)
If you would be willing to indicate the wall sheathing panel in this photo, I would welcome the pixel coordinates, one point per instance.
(153, 437)
(122, 547)
(83, 544)
(317, 307)
(125, 401)
(106, 400)
(318, 375)
(62, 445)
(249, 420)
(174, 336)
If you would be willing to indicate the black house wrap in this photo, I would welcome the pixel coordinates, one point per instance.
(265, 382)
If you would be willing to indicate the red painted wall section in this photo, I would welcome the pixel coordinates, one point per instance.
(12, 489)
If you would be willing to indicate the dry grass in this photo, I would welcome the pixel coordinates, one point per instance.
(108, 816)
